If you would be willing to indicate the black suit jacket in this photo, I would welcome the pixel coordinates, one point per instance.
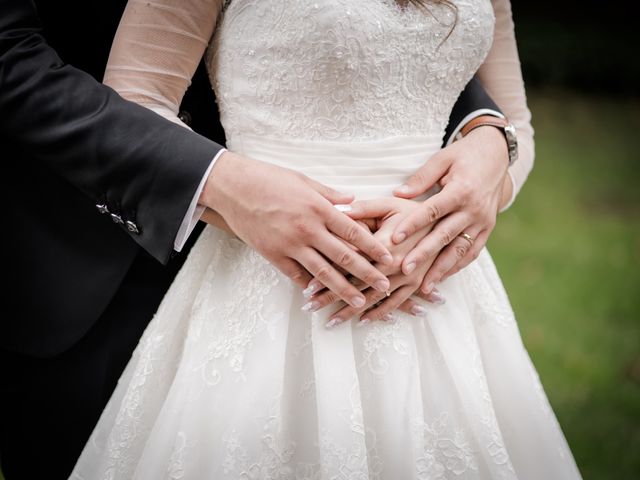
(70, 143)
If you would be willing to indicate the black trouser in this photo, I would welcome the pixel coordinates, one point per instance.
(49, 407)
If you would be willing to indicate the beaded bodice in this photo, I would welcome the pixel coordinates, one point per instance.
(344, 70)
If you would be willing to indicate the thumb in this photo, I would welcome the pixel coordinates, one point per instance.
(426, 177)
(334, 196)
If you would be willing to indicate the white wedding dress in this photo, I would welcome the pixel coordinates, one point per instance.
(231, 380)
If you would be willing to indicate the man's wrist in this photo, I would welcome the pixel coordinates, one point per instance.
(505, 127)
(214, 182)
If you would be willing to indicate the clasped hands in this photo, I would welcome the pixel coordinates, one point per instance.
(376, 254)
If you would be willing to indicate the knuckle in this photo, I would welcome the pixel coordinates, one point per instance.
(445, 238)
(461, 251)
(352, 233)
(418, 178)
(296, 274)
(369, 277)
(315, 209)
(324, 273)
(345, 291)
(465, 191)
(345, 258)
(423, 255)
(302, 229)
(329, 298)
(432, 213)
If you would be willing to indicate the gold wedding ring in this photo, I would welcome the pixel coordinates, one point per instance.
(467, 237)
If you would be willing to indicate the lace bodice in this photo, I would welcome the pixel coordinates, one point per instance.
(344, 70)
(326, 70)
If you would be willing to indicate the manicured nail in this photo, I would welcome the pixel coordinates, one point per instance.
(310, 306)
(400, 237)
(419, 311)
(357, 302)
(436, 297)
(342, 207)
(311, 289)
(429, 288)
(403, 189)
(363, 321)
(333, 322)
(381, 285)
(386, 259)
(410, 267)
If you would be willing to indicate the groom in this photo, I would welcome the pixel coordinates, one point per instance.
(98, 193)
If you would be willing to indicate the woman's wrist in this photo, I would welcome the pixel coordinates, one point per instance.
(507, 192)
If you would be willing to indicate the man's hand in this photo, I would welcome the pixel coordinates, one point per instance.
(473, 175)
(291, 220)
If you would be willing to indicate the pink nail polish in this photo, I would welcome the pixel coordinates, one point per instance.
(429, 288)
(333, 322)
(310, 306)
(362, 322)
(419, 311)
(436, 298)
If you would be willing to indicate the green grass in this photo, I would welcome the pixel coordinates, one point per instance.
(569, 254)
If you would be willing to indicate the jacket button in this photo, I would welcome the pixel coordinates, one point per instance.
(185, 117)
(116, 218)
(132, 227)
(102, 208)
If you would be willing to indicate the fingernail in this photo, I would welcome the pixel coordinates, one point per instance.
(429, 288)
(388, 318)
(357, 302)
(341, 207)
(437, 298)
(403, 189)
(310, 306)
(333, 322)
(386, 259)
(362, 322)
(419, 311)
(401, 237)
(310, 290)
(381, 285)
(410, 267)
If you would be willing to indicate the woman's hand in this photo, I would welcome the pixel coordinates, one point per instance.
(475, 186)
(385, 213)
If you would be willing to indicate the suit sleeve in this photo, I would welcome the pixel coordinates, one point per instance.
(472, 102)
(143, 168)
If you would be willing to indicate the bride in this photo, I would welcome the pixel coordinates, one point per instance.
(237, 375)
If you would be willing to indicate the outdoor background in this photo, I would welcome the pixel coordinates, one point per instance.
(569, 248)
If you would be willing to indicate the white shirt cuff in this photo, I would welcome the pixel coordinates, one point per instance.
(194, 212)
(468, 118)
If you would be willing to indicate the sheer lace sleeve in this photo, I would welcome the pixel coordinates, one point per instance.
(501, 76)
(156, 51)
